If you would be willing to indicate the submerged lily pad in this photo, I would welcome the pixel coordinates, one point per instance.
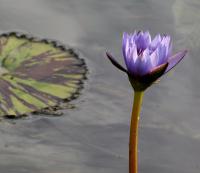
(36, 74)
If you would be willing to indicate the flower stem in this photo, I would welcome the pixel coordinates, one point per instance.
(133, 141)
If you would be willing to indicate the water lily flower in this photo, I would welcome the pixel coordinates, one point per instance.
(146, 59)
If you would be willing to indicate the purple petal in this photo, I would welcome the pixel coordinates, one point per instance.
(134, 54)
(115, 63)
(166, 42)
(142, 64)
(155, 42)
(131, 57)
(129, 50)
(133, 36)
(137, 67)
(147, 37)
(131, 67)
(147, 64)
(145, 55)
(175, 59)
(162, 54)
(142, 41)
(154, 58)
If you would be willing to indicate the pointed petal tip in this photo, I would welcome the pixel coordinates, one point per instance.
(115, 63)
(175, 59)
(186, 51)
(183, 52)
(108, 55)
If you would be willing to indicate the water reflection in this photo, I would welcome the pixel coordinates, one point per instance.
(94, 136)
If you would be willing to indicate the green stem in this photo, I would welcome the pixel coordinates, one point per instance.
(133, 141)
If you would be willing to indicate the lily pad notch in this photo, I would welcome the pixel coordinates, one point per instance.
(36, 74)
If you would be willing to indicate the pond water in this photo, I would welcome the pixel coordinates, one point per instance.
(93, 137)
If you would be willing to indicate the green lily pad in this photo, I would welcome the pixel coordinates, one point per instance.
(36, 74)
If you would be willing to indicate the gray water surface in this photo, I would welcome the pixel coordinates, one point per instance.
(93, 137)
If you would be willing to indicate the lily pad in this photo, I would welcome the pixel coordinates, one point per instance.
(36, 74)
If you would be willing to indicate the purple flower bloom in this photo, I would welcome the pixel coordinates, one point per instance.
(146, 60)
